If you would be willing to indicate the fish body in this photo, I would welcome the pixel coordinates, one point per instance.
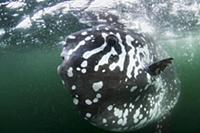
(117, 78)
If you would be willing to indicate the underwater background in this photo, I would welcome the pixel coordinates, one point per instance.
(32, 97)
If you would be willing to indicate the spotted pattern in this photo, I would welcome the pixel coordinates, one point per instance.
(109, 82)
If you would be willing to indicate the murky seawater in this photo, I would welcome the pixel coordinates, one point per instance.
(32, 97)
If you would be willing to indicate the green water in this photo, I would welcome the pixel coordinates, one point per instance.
(32, 98)
(186, 116)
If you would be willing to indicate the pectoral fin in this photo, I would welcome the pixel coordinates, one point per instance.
(158, 67)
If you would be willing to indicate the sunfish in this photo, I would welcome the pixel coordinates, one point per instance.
(116, 78)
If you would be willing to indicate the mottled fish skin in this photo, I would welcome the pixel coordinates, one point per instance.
(109, 82)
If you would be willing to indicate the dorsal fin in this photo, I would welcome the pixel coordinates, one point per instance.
(156, 68)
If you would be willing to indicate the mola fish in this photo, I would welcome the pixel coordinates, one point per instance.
(118, 78)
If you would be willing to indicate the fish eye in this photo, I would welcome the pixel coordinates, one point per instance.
(111, 40)
(63, 58)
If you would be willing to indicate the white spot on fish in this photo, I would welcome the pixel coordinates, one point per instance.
(104, 120)
(148, 78)
(83, 70)
(71, 37)
(137, 98)
(73, 87)
(95, 100)
(136, 120)
(84, 33)
(98, 95)
(103, 70)
(106, 28)
(119, 122)
(133, 88)
(84, 64)
(88, 115)
(75, 101)
(70, 72)
(110, 107)
(78, 69)
(141, 116)
(88, 101)
(88, 38)
(97, 86)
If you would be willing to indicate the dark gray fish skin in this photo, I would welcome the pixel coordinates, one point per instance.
(105, 69)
